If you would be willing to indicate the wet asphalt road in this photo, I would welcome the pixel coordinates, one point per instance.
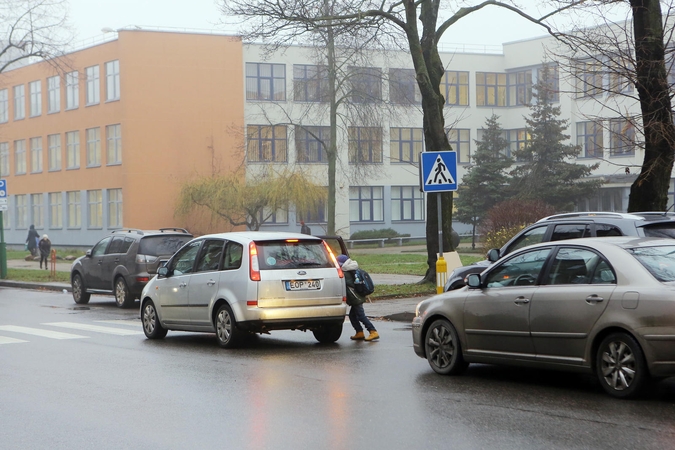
(285, 391)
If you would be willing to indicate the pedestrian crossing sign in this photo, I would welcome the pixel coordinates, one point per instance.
(438, 171)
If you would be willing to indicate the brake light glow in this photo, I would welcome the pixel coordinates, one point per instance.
(334, 259)
(254, 267)
(252, 303)
(292, 240)
(142, 279)
(344, 299)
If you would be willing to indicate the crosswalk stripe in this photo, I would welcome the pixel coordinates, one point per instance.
(95, 328)
(126, 322)
(42, 333)
(9, 340)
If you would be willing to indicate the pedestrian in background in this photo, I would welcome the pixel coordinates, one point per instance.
(304, 229)
(45, 246)
(32, 241)
(357, 315)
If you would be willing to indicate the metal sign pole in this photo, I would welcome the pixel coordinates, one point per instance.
(3, 249)
(441, 265)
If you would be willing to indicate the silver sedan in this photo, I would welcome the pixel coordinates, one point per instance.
(598, 305)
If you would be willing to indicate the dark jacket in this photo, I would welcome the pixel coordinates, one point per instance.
(45, 246)
(349, 269)
(32, 239)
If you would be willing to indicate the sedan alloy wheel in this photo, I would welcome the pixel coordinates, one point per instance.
(620, 365)
(443, 349)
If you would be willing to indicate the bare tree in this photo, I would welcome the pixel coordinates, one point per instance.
(32, 29)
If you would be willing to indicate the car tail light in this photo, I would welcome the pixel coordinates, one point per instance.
(344, 299)
(144, 259)
(142, 279)
(253, 265)
(252, 303)
(334, 259)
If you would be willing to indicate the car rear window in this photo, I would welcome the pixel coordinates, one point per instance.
(162, 245)
(660, 261)
(294, 254)
(662, 230)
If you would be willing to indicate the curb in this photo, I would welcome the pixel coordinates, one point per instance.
(37, 286)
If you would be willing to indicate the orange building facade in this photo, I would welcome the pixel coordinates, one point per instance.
(104, 138)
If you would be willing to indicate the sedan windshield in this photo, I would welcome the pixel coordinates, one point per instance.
(660, 261)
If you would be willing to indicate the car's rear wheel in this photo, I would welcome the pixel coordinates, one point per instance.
(226, 327)
(328, 334)
(151, 326)
(80, 295)
(123, 298)
(621, 366)
(443, 350)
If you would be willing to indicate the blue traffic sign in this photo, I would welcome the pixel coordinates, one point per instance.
(3, 188)
(438, 171)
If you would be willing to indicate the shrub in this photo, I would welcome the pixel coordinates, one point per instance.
(507, 218)
(375, 234)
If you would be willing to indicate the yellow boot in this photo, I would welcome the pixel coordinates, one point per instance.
(358, 336)
(373, 335)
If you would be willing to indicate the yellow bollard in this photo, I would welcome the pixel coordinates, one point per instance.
(441, 274)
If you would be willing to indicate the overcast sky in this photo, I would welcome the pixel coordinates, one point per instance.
(490, 26)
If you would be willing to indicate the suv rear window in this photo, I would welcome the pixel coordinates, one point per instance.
(662, 230)
(162, 245)
(292, 255)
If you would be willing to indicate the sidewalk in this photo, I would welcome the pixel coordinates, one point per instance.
(399, 309)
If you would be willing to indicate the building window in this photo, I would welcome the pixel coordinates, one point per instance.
(460, 140)
(365, 145)
(310, 83)
(317, 215)
(366, 204)
(550, 77)
(266, 143)
(7, 219)
(4, 106)
(37, 203)
(622, 138)
(93, 147)
(589, 138)
(72, 90)
(490, 89)
(619, 83)
(74, 209)
(265, 81)
(589, 78)
(406, 144)
(93, 85)
(20, 157)
(366, 84)
(55, 210)
(520, 88)
(113, 135)
(455, 88)
(19, 102)
(517, 140)
(269, 217)
(407, 203)
(4, 159)
(403, 88)
(53, 94)
(21, 211)
(54, 142)
(115, 208)
(112, 80)
(35, 88)
(36, 155)
(310, 144)
(95, 208)
(73, 150)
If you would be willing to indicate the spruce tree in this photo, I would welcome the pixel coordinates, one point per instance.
(544, 166)
(483, 185)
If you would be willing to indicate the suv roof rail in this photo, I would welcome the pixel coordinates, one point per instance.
(592, 214)
(128, 230)
(656, 213)
(181, 230)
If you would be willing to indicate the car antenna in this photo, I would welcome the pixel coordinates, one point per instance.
(666, 211)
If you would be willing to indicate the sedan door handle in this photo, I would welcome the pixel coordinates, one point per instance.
(593, 299)
(522, 301)
(210, 282)
(182, 285)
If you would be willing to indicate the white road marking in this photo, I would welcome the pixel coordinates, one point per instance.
(9, 340)
(127, 322)
(39, 332)
(95, 328)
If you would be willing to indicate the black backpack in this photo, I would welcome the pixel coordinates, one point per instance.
(363, 284)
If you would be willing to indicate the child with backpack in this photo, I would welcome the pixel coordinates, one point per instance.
(355, 300)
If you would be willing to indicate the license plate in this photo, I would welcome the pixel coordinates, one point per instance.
(302, 285)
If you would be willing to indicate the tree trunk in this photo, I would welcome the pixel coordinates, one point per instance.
(649, 192)
(331, 151)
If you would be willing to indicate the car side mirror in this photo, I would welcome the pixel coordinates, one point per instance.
(88, 253)
(473, 280)
(163, 271)
(493, 254)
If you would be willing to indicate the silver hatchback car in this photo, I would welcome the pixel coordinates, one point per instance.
(598, 305)
(239, 283)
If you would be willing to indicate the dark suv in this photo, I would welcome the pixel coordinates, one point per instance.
(123, 262)
(573, 225)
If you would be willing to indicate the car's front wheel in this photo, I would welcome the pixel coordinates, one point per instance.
(80, 295)
(226, 327)
(443, 350)
(151, 326)
(621, 366)
(328, 333)
(123, 298)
